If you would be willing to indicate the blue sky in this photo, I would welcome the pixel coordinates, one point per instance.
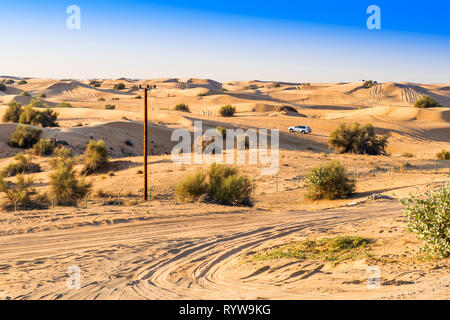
(299, 41)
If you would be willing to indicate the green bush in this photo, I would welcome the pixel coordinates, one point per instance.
(23, 164)
(42, 95)
(426, 102)
(110, 107)
(64, 105)
(443, 155)
(22, 82)
(429, 217)
(35, 117)
(38, 104)
(368, 84)
(44, 147)
(329, 182)
(66, 187)
(95, 157)
(8, 81)
(119, 86)
(24, 137)
(223, 185)
(95, 83)
(2, 87)
(192, 187)
(13, 112)
(227, 111)
(22, 194)
(25, 94)
(357, 139)
(182, 107)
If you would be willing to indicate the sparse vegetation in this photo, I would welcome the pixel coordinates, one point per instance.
(357, 139)
(12, 113)
(25, 94)
(23, 165)
(8, 81)
(65, 185)
(407, 155)
(329, 182)
(38, 104)
(35, 117)
(44, 147)
(110, 107)
(22, 82)
(42, 95)
(64, 105)
(335, 250)
(24, 137)
(443, 155)
(227, 111)
(426, 102)
(22, 194)
(368, 84)
(429, 217)
(222, 184)
(119, 86)
(182, 107)
(101, 99)
(95, 157)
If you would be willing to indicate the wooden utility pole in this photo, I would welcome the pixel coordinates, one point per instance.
(145, 145)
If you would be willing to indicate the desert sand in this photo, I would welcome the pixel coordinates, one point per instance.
(170, 250)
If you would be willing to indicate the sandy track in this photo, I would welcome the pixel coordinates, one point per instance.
(183, 257)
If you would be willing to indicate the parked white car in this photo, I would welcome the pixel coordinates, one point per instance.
(301, 129)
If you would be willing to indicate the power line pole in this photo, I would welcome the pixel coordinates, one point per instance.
(145, 151)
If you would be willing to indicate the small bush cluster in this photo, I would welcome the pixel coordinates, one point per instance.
(64, 105)
(429, 217)
(368, 84)
(110, 107)
(182, 107)
(222, 184)
(227, 111)
(29, 115)
(44, 147)
(443, 155)
(22, 82)
(426, 102)
(8, 81)
(119, 86)
(65, 185)
(329, 182)
(95, 83)
(24, 137)
(23, 165)
(357, 139)
(12, 113)
(95, 157)
(22, 194)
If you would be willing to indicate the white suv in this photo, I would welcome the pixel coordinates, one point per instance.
(301, 129)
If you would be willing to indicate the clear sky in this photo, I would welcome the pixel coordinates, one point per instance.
(298, 41)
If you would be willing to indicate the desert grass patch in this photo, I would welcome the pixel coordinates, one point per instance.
(335, 250)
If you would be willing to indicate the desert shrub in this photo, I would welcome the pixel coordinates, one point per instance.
(227, 111)
(23, 164)
(192, 187)
(357, 139)
(223, 185)
(22, 194)
(429, 217)
(24, 137)
(38, 104)
(64, 105)
(138, 97)
(182, 107)
(35, 117)
(25, 94)
(329, 182)
(443, 155)
(276, 85)
(65, 185)
(119, 86)
(368, 84)
(2, 87)
(95, 156)
(42, 95)
(426, 102)
(110, 107)
(407, 155)
(95, 83)
(44, 147)
(101, 99)
(22, 82)
(8, 81)
(13, 112)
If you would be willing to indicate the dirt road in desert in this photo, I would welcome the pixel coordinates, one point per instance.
(201, 257)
